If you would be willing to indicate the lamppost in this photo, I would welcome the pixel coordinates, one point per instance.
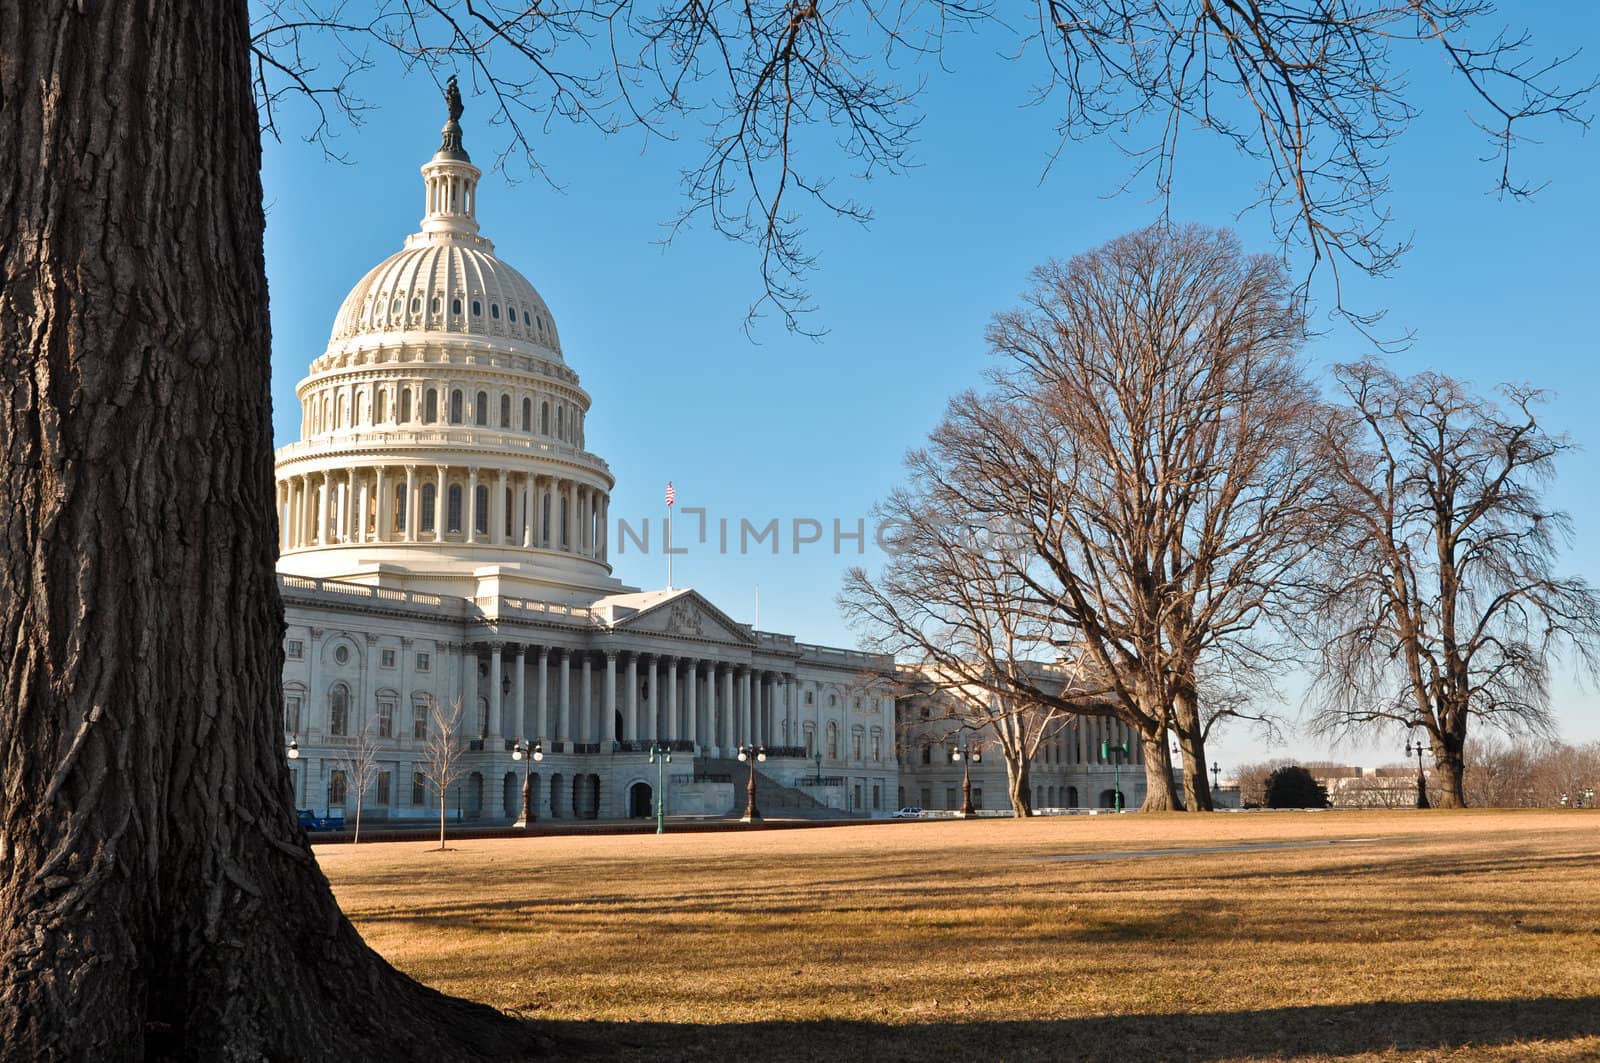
(294, 749)
(1422, 779)
(752, 814)
(966, 756)
(1216, 776)
(1119, 751)
(521, 751)
(661, 756)
(819, 767)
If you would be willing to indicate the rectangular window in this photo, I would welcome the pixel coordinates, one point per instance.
(927, 798)
(419, 788)
(385, 782)
(419, 721)
(877, 797)
(977, 797)
(336, 788)
(295, 649)
(291, 713)
(950, 797)
(424, 662)
(385, 719)
(855, 746)
(877, 747)
(387, 658)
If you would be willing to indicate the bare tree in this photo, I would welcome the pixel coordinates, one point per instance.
(951, 605)
(359, 762)
(441, 757)
(1442, 605)
(1153, 437)
(1315, 92)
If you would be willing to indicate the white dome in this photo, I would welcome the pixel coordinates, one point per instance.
(450, 283)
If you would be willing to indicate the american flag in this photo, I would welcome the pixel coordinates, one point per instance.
(671, 494)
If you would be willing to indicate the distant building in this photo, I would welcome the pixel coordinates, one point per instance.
(444, 539)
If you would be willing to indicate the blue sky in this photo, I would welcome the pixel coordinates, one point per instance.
(780, 426)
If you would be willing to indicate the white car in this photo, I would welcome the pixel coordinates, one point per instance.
(909, 812)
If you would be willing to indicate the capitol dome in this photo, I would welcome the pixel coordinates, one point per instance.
(443, 283)
(442, 431)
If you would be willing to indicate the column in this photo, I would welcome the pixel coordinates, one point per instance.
(653, 715)
(570, 524)
(605, 528)
(363, 498)
(692, 680)
(632, 720)
(469, 690)
(542, 697)
(608, 702)
(347, 507)
(791, 710)
(438, 506)
(322, 510)
(670, 731)
(586, 728)
(497, 509)
(412, 504)
(495, 688)
(519, 690)
(729, 738)
(470, 505)
(746, 711)
(380, 521)
(564, 710)
(529, 511)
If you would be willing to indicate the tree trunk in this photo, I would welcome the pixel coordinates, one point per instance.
(158, 899)
(1159, 793)
(1450, 768)
(1191, 739)
(1018, 786)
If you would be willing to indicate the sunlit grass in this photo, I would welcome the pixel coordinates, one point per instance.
(1392, 935)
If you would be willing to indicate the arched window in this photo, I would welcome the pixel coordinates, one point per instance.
(527, 415)
(338, 412)
(505, 411)
(339, 710)
(430, 406)
(453, 509)
(544, 418)
(477, 308)
(561, 422)
(358, 407)
(400, 507)
(480, 409)
(455, 307)
(483, 717)
(380, 412)
(430, 502)
(833, 741)
(564, 537)
(509, 510)
(456, 416)
(480, 509)
(544, 536)
(405, 405)
(494, 311)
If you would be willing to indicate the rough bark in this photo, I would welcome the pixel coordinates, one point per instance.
(1159, 795)
(1450, 769)
(157, 897)
(1192, 740)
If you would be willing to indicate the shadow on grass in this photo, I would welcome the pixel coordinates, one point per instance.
(1269, 1034)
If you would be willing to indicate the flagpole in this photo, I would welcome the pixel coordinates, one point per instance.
(668, 546)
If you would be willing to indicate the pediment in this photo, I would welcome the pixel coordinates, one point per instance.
(683, 613)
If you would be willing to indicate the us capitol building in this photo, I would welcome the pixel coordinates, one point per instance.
(444, 541)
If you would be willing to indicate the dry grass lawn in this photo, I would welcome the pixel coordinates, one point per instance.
(1364, 936)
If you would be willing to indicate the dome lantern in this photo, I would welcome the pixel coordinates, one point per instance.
(450, 178)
